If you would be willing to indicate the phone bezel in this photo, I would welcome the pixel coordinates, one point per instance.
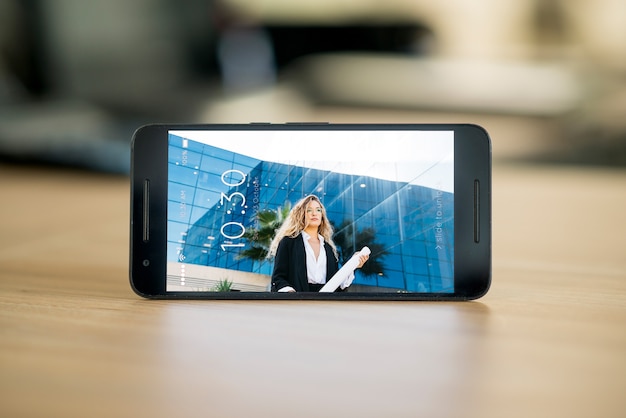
(472, 165)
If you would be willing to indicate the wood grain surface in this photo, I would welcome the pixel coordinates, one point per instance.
(548, 340)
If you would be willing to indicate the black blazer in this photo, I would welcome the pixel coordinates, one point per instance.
(290, 265)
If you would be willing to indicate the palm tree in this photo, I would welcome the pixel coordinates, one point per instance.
(268, 221)
(351, 240)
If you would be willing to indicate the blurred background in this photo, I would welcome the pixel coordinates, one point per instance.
(546, 78)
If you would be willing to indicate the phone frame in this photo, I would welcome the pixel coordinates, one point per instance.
(472, 228)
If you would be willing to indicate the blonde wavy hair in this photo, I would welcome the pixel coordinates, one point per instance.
(296, 223)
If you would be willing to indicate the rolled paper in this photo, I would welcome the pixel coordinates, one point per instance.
(344, 272)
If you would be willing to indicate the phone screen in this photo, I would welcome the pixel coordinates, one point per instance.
(230, 191)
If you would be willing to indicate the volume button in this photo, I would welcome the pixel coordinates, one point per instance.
(476, 211)
(146, 210)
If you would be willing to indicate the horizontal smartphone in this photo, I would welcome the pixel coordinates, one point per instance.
(311, 211)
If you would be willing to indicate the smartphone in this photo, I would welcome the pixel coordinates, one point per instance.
(311, 211)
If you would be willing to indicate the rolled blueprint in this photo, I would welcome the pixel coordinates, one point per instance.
(344, 272)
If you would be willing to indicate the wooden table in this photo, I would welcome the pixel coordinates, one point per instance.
(548, 340)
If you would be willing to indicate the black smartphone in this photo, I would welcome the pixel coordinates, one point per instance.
(311, 211)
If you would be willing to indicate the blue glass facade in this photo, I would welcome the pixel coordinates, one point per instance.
(215, 195)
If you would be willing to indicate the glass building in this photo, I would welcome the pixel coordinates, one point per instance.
(215, 196)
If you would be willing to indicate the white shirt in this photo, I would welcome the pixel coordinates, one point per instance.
(315, 268)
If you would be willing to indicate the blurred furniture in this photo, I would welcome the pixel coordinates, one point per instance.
(548, 340)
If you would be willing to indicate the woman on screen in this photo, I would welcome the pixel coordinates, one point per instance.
(305, 254)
